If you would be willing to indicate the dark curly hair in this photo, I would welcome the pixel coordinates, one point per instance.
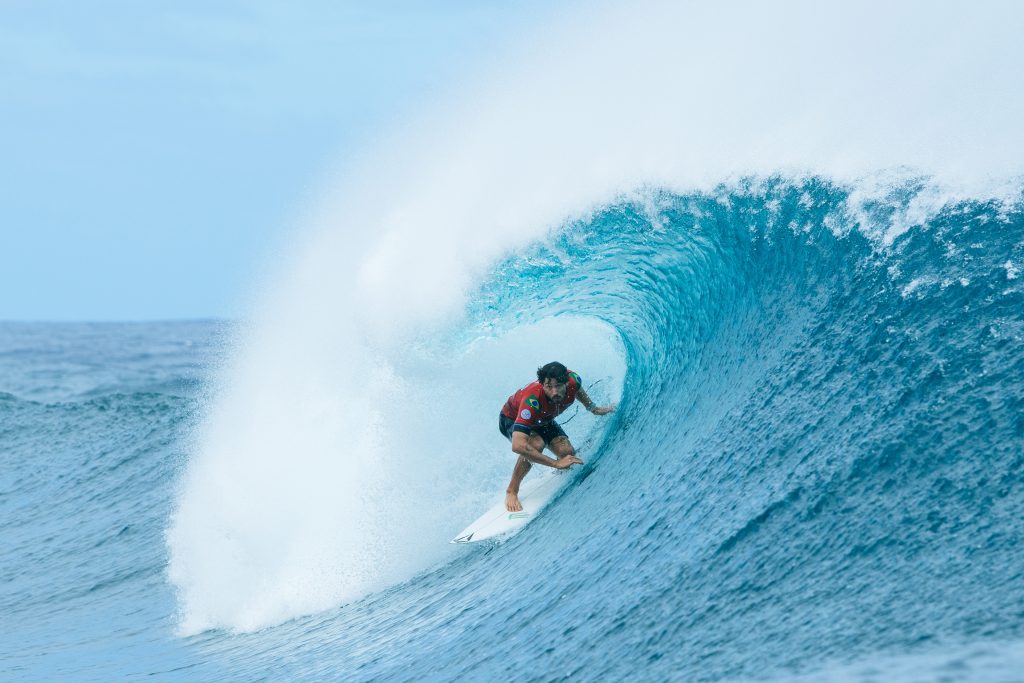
(553, 370)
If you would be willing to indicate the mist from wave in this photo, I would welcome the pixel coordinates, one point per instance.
(601, 105)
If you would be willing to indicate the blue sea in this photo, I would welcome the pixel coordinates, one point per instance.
(815, 472)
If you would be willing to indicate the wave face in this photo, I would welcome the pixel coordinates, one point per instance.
(815, 471)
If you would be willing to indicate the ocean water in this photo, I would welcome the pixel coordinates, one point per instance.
(815, 473)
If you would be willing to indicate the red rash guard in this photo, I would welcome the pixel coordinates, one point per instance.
(531, 408)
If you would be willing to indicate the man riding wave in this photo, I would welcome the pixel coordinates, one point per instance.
(528, 420)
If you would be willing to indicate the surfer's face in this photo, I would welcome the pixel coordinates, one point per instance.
(554, 390)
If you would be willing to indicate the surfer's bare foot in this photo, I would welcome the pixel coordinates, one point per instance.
(512, 503)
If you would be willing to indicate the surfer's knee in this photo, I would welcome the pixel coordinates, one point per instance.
(562, 446)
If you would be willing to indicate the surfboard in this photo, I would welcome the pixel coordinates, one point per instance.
(534, 494)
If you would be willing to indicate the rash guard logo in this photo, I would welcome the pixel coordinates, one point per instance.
(533, 403)
(526, 414)
(579, 382)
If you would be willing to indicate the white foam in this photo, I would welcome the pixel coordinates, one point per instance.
(305, 494)
(320, 440)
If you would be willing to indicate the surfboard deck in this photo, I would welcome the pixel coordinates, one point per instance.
(534, 494)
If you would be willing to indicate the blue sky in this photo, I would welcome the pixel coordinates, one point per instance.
(152, 153)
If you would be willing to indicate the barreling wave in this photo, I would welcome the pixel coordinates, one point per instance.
(820, 445)
(815, 469)
(817, 457)
(741, 322)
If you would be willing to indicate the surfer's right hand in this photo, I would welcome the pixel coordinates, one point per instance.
(567, 461)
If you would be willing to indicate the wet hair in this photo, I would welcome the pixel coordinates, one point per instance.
(553, 370)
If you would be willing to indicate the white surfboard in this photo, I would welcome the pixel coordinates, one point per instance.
(534, 494)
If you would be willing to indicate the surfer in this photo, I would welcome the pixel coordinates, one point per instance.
(528, 420)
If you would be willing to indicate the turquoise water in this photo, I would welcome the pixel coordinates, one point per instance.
(815, 471)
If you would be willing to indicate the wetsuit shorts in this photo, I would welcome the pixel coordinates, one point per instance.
(548, 432)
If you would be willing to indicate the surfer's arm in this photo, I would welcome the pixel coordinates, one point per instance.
(589, 404)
